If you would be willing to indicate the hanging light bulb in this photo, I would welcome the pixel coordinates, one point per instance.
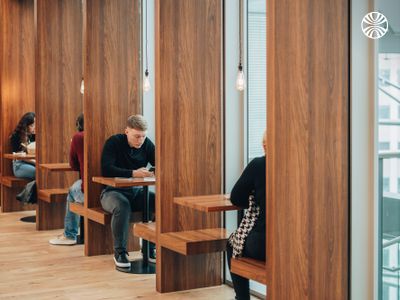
(240, 82)
(146, 81)
(82, 87)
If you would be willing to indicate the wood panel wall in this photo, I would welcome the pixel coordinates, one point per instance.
(112, 93)
(308, 149)
(17, 68)
(58, 98)
(188, 131)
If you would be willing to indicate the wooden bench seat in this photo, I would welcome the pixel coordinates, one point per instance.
(53, 195)
(249, 268)
(98, 215)
(195, 241)
(207, 203)
(13, 182)
(146, 231)
(78, 208)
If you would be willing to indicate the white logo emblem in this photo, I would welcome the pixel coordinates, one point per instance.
(374, 25)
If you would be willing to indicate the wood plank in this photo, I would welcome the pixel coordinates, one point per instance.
(112, 35)
(17, 74)
(207, 203)
(146, 231)
(125, 182)
(78, 209)
(98, 215)
(53, 195)
(249, 268)
(307, 196)
(19, 156)
(58, 99)
(56, 167)
(13, 182)
(45, 270)
(188, 60)
(195, 241)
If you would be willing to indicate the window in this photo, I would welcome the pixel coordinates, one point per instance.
(386, 187)
(384, 76)
(256, 77)
(384, 112)
(384, 146)
(398, 185)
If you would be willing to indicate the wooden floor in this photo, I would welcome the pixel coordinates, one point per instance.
(30, 268)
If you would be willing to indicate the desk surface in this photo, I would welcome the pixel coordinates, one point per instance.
(19, 156)
(125, 182)
(207, 203)
(57, 167)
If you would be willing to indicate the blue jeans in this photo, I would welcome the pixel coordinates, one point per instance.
(23, 169)
(120, 203)
(71, 221)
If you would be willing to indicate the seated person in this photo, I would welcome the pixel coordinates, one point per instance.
(75, 193)
(22, 136)
(249, 193)
(127, 155)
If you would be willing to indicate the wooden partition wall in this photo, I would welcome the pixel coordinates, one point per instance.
(188, 132)
(17, 65)
(112, 93)
(58, 98)
(308, 149)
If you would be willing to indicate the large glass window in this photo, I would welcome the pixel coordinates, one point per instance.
(388, 100)
(257, 76)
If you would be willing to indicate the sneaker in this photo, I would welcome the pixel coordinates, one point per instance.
(121, 259)
(62, 240)
(152, 255)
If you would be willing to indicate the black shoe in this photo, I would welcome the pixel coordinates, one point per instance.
(152, 255)
(121, 259)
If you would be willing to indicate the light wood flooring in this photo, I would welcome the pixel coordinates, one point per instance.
(30, 268)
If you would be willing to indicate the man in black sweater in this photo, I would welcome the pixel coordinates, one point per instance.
(126, 155)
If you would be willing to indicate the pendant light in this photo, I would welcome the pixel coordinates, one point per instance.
(82, 86)
(146, 80)
(240, 80)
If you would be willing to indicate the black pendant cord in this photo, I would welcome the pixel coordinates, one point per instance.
(147, 59)
(240, 35)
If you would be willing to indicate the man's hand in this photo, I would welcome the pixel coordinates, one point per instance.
(142, 172)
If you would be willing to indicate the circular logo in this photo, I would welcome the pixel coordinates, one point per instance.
(374, 25)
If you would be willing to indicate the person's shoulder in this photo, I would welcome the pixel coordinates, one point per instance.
(148, 142)
(119, 137)
(14, 136)
(78, 137)
(258, 162)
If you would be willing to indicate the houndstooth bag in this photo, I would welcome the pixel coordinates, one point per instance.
(238, 237)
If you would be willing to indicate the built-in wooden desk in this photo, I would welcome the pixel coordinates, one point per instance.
(56, 167)
(125, 182)
(207, 203)
(19, 156)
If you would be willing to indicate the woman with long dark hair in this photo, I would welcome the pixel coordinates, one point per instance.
(22, 136)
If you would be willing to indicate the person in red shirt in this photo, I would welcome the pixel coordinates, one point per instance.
(75, 194)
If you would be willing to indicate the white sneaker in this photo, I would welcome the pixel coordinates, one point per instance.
(62, 240)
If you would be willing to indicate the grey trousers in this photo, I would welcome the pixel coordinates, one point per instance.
(120, 203)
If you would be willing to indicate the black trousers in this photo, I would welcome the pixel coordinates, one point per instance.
(254, 247)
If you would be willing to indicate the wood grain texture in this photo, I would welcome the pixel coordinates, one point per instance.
(194, 242)
(207, 203)
(112, 92)
(249, 268)
(188, 131)
(13, 182)
(124, 182)
(58, 98)
(53, 195)
(56, 167)
(17, 88)
(55, 272)
(308, 149)
(146, 231)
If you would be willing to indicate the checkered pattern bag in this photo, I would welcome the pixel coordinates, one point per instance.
(238, 237)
